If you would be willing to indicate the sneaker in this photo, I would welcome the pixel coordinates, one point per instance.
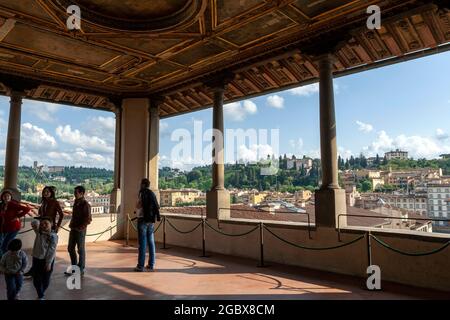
(17, 297)
(138, 269)
(149, 267)
(68, 273)
(28, 274)
(42, 298)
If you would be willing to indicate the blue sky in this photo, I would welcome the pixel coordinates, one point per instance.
(405, 106)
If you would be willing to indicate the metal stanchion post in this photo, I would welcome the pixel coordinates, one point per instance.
(128, 231)
(369, 249)
(164, 233)
(204, 238)
(261, 242)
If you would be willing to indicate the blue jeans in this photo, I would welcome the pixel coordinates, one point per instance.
(13, 285)
(146, 237)
(41, 277)
(5, 238)
(77, 239)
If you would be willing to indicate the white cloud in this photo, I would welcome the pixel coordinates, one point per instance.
(238, 111)
(34, 138)
(364, 127)
(275, 101)
(100, 126)
(417, 146)
(78, 139)
(344, 153)
(80, 157)
(441, 134)
(311, 89)
(296, 145)
(255, 153)
(42, 110)
(305, 91)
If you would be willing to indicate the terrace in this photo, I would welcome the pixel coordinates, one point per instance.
(198, 56)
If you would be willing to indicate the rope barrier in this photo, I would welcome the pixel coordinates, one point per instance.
(135, 227)
(313, 248)
(232, 235)
(411, 254)
(183, 232)
(26, 231)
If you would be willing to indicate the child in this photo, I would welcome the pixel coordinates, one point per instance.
(44, 252)
(13, 264)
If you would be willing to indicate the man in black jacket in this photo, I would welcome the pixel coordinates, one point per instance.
(147, 213)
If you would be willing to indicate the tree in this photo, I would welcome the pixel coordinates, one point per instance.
(366, 186)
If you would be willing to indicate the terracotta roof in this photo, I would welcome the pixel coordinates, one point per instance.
(246, 212)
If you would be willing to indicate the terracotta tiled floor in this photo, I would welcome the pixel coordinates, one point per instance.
(182, 274)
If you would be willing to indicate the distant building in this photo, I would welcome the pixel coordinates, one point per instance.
(439, 205)
(445, 156)
(299, 164)
(171, 197)
(397, 154)
(55, 169)
(98, 200)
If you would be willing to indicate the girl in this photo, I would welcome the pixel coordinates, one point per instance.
(44, 252)
(10, 213)
(51, 208)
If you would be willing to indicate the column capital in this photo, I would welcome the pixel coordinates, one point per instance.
(155, 101)
(219, 82)
(328, 58)
(117, 111)
(16, 96)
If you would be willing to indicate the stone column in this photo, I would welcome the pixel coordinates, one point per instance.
(116, 194)
(133, 155)
(218, 198)
(153, 154)
(13, 144)
(330, 199)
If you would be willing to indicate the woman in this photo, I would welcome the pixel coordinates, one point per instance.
(51, 208)
(10, 213)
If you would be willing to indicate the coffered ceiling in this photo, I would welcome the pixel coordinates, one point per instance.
(171, 47)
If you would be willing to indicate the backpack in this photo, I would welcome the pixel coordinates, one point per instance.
(150, 205)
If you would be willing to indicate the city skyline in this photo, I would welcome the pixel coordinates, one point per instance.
(62, 135)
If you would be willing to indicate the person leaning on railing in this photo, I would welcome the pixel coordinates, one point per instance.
(10, 213)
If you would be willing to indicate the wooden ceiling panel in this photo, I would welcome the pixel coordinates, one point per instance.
(42, 43)
(227, 10)
(26, 7)
(318, 7)
(150, 45)
(267, 25)
(197, 53)
(156, 70)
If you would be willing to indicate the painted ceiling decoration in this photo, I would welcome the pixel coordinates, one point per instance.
(170, 48)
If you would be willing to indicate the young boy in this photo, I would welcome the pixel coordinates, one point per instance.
(44, 252)
(13, 264)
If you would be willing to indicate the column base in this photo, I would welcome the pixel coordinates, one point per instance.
(329, 203)
(218, 204)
